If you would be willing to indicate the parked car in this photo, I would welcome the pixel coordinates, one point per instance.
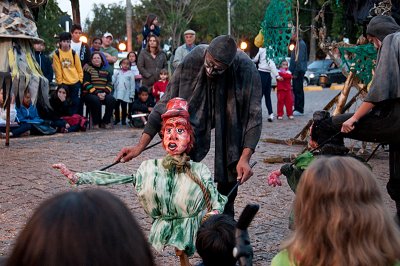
(323, 73)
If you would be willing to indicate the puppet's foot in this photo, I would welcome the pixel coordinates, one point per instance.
(73, 179)
(184, 259)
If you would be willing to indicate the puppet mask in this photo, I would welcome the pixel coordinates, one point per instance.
(177, 131)
(176, 137)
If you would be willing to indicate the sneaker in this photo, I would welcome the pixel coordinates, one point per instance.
(116, 122)
(291, 117)
(297, 113)
(270, 117)
(280, 118)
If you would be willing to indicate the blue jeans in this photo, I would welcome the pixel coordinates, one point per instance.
(266, 89)
(73, 93)
(23, 127)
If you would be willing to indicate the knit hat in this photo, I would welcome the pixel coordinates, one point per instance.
(223, 49)
(381, 26)
(176, 107)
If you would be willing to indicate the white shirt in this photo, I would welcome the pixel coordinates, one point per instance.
(76, 46)
(264, 64)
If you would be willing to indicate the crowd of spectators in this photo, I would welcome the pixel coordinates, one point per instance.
(84, 78)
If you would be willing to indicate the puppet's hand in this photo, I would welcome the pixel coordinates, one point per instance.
(73, 179)
(273, 178)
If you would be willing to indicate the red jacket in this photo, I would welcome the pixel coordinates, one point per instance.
(285, 84)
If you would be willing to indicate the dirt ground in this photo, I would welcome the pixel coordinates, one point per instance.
(26, 178)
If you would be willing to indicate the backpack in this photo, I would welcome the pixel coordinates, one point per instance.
(73, 54)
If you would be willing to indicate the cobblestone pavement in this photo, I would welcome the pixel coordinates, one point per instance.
(27, 178)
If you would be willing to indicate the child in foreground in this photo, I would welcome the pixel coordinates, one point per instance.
(340, 218)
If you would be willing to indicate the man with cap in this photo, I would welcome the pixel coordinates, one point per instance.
(110, 52)
(183, 50)
(223, 90)
(378, 118)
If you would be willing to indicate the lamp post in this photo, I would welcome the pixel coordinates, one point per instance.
(128, 15)
(229, 16)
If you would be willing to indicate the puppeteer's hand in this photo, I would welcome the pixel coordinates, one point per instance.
(348, 125)
(127, 153)
(244, 171)
(72, 177)
(273, 178)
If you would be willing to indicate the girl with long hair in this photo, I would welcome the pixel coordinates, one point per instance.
(340, 219)
(150, 28)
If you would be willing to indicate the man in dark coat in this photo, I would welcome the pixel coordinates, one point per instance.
(298, 67)
(378, 118)
(223, 89)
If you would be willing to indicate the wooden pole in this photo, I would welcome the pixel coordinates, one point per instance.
(344, 94)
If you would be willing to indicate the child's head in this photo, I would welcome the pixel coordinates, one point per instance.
(26, 101)
(132, 57)
(76, 32)
(124, 64)
(65, 41)
(338, 200)
(151, 20)
(62, 92)
(284, 64)
(143, 94)
(216, 240)
(38, 45)
(163, 74)
(82, 227)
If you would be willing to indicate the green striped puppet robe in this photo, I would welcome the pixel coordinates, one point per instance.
(174, 201)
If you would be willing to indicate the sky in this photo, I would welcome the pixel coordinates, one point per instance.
(86, 6)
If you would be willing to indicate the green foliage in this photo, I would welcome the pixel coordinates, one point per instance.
(246, 18)
(107, 18)
(210, 22)
(48, 23)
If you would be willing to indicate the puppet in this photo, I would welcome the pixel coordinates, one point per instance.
(175, 191)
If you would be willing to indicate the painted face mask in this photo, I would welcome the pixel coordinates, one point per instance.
(176, 137)
(177, 131)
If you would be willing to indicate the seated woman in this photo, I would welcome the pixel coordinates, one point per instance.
(340, 218)
(61, 115)
(176, 192)
(97, 87)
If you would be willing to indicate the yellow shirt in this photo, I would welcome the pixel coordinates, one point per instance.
(68, 71)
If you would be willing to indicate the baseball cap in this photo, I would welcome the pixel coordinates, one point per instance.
(107, 34)
(189, 32)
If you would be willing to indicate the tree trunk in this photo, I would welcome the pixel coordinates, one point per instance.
(129, 25)
(76, 14)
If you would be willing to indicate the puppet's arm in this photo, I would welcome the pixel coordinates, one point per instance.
(100, 178)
